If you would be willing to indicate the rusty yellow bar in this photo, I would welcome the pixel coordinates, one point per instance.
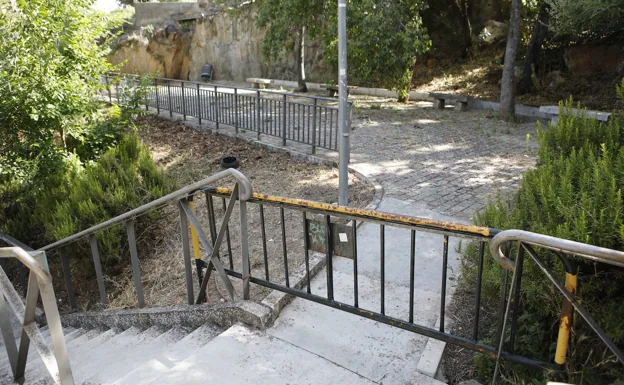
(194, 237)
(442, 225)
(567, 313)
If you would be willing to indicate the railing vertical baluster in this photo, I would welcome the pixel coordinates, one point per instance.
(186, 249)
(264, 244)
(95, 253)
(136, 267)
(331, 127)
(227, 236)
(68, 283)
(211, 216)
(329, 256)
(501, 304)
(412, 266)
(475, 333)
(443, 288)
(146, 97)
(258, 114)
(306, 252)
(183, 100)
(514, 319)
(284, 249)
(337, 133)
(169, 98)
(216, 104)
(325, 130)
(199, 115)
(110, 94)
(355, 263)
(157, 101)
(382, 261)
(30, 306)
(246, 270)
(236, 110)
(284, 120)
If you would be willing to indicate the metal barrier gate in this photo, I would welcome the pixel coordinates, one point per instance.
(321, 226)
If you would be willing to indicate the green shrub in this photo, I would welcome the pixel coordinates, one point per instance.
(574, 193)
(123, 178)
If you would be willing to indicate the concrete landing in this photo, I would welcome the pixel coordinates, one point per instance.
(378, 352)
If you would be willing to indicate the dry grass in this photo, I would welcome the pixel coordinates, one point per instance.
(187, 156)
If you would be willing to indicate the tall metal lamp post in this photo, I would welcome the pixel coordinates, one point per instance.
(343, 114)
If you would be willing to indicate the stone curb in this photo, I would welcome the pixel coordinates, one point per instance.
(223, 314)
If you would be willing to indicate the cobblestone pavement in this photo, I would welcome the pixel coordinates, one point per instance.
(443, 160)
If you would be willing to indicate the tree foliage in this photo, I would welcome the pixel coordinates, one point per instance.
(383, 40)
(49, 73)
(586, 18)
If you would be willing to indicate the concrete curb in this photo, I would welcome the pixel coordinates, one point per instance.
(223, 314)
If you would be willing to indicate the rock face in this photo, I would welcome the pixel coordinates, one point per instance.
(232, 44)
(588, 59)
(493, 31)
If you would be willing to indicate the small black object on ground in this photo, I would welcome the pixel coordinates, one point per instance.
(229, 161)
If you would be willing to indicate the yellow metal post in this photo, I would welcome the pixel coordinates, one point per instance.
(567, 314)
(194, 238)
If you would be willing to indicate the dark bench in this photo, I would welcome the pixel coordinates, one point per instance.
(332, 91)
(461, 101)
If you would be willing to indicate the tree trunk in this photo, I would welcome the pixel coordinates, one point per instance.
(507, 98)
(539, 35)
(465, 27)
(301, 78)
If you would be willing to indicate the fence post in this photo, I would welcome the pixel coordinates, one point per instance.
(169, 98)
(198, 105)
(146, 96)
(68, 282)
(236, 109)
(183, 101)
(216, 106)
(186, 250)
(246, 273)
(284, 120)
(258, 114)
(157, 101)
(110, 95)
(95, 253)
(314, 126)
(134, 258)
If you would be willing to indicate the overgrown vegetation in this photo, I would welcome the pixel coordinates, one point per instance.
(67, 160)
(574, 193)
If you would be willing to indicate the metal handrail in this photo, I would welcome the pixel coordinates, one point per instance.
(28, 260)
(594, 253)
(39, 285)
(246, 191)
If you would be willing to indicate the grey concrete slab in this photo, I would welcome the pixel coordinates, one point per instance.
(241, 356)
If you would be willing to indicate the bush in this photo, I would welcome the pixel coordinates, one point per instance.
(124, 178)
(574, 193)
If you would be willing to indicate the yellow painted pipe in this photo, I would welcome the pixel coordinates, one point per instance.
(567, 314)
(330, 208)
(194, 237)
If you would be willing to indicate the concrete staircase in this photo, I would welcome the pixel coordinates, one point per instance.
(206, 355)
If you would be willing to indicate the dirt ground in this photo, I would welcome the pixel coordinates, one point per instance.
(187, 156)
(479, 76)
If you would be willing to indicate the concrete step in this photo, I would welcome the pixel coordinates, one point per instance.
(165, 360)
(243, 356)
(128, 359)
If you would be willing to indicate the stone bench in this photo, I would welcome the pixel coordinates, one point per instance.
(461, 101)
(332, 91)
(258, 82)
(552, 112)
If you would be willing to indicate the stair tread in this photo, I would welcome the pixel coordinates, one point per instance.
(163, 361)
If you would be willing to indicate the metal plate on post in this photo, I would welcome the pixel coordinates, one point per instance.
(342, 238)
